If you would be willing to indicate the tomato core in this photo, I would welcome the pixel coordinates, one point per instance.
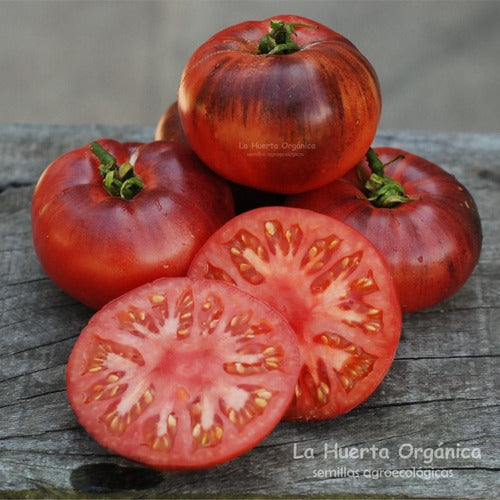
(293, 305)
(187, 365)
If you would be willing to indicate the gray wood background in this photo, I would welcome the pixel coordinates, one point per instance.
(442, 391)
(119, 62)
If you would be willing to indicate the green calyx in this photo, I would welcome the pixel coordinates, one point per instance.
(382, 191)
(279, 39)
(118, 180)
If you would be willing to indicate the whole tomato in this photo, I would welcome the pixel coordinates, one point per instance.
(110, 216)
(420, 217)
(284, 105)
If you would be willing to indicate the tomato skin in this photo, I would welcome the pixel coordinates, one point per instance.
(333, 287)
(182, 373)
(284, 123)
(432, 243)
(169, 126)
(96, 246)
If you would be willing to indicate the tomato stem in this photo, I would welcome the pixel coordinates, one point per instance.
(382, 191)
(120, 181)
(279, 39)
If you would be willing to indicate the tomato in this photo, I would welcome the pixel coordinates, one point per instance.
(286, 121)
(169, 126)
(182, 373)
(430, 236)
(333, 287)
(96, 245)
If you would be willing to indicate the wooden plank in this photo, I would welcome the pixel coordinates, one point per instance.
(441, 393)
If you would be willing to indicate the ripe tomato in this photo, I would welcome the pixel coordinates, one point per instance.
(169, 126)
(430, 236)
(285, 121)
(330, 283)
(182, 373)
(95, 245)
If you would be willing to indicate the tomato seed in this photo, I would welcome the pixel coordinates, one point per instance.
(260, 402)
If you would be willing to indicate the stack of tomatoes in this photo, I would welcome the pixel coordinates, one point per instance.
(254, 261)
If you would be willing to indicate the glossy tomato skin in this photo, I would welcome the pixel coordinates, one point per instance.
(96, 246)
(169, 128)
(285, 123)
(182, 373)
(333, 287)
(431, 243)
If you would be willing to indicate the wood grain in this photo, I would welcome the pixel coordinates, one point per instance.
(441, 392)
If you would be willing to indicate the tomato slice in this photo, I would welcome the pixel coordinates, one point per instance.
(183, 373)
(331, 284)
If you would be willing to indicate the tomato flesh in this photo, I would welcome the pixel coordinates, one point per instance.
(330, 283)
(183, 373)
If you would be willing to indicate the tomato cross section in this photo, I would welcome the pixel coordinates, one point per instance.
(333, 287)
(183, 373)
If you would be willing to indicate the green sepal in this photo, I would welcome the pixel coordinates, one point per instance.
(120, 181)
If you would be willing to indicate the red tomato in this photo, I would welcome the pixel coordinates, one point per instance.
(169, 126)
(96, 246)
(183, 373)
(330, 283)
(431, 242)
(284, 122)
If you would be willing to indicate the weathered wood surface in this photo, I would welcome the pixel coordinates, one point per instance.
(442, 391)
